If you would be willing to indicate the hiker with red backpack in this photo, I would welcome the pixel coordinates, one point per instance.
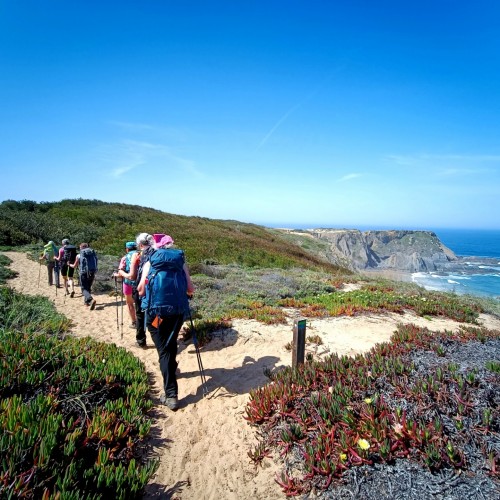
(67, 256)
(146, 246)
(128, 284)
(86, 260)
(164, 287)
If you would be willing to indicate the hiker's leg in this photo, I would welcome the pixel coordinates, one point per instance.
(165, 340)
(140, 332)
(127, 291)
(85, 284)
(71, 281)
(50, 269)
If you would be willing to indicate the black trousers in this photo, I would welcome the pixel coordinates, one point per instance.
(165, 339)
(86, 280)
(140, 327)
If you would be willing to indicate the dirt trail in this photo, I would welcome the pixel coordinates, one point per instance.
(203, 446)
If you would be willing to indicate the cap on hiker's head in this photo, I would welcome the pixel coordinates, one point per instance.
(163, 240)
(65, 241)
(131, 245)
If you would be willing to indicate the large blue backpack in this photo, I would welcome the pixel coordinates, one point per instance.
(166, 289)
(88, 261)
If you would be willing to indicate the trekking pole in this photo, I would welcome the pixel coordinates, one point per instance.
(122, 311)
(198, 357)
(116, 302)
(39, 271)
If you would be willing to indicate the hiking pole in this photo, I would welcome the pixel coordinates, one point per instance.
(39, 271)
(116, 302)
(122, 311)
(198, 357)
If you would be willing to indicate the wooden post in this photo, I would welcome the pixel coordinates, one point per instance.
(299, 342)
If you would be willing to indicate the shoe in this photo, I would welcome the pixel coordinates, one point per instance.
(72, 294)
(141, 343)
(171, 403)
(92, 304)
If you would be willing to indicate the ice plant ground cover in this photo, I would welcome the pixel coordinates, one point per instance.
(72, 411)
(413, 418)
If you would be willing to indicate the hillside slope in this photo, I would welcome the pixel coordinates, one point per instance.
(106, 226)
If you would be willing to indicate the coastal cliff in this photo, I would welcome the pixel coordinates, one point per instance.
(410, 251)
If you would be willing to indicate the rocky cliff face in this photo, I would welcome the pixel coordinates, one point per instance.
(410, 251)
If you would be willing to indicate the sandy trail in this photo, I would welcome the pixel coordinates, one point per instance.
(203, 446)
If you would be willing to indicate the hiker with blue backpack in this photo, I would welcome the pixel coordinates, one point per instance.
(165, 286)
(86, 261)
(146, 246)
(128, 284)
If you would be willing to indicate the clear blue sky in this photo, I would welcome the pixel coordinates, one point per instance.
(382, 114)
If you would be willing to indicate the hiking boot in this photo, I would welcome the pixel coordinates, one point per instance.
(172, 403)
(141, 343)
(72, 294)
(92, 304)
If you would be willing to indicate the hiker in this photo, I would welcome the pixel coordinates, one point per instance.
(146, 246)
(128, 284)
(67, 256)
(49, 254)
(86, 260)
(165, 285)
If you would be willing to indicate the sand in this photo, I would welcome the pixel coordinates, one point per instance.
(203, 446)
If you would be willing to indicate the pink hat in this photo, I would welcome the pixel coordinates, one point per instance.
(162, 240)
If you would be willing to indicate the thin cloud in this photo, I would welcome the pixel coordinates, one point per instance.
(292, 110)
(349, 177)
(278, 124)
(129, 155)
(409, 160)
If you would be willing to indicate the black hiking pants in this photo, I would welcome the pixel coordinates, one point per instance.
(140, 327)
(86, 280)
(165, 339)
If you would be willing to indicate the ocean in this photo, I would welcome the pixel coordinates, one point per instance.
(479, 269)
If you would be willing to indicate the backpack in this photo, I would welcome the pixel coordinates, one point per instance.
(88, 261)
(49, 251)
(69, 254)
(166, 289)
(128, 259)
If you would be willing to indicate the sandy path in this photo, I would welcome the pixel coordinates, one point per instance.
(203, 446)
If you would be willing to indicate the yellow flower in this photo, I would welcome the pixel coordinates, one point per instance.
(343, 457)
(363, 444)
(368, 401)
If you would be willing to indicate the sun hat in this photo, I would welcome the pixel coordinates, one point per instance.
(132, 245)
(162, 240)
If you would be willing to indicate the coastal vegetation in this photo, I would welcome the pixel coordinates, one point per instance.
(425, 398)
(73, 412)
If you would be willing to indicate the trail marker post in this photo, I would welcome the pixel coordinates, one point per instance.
(299, 342)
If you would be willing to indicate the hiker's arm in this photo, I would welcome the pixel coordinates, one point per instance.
(190, 286)
(75, 264)
(141, 287)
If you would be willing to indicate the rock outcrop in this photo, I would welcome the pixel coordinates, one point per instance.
(410, 251)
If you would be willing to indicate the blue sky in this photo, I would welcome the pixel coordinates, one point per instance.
(353, 113)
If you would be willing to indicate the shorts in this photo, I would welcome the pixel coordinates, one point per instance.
(127, 289)
(67, 271)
